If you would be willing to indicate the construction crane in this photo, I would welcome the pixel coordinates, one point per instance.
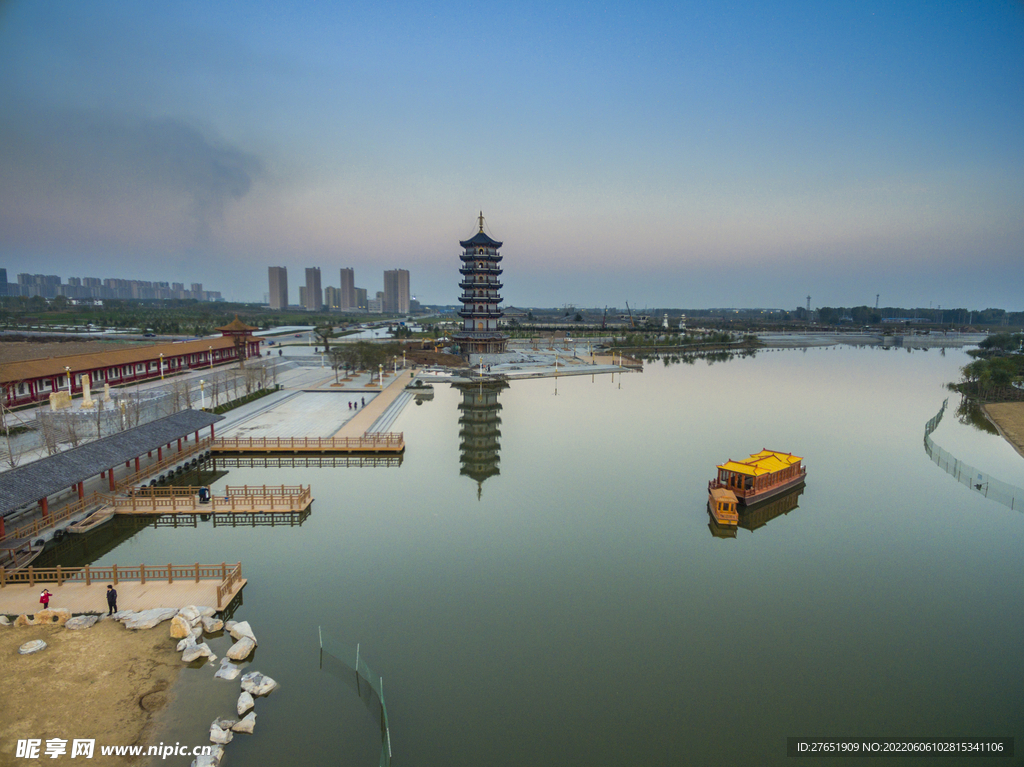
(630, 315)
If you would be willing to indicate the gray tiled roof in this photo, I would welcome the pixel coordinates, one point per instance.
(29, 483)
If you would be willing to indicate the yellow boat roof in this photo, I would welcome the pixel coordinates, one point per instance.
(765, 462)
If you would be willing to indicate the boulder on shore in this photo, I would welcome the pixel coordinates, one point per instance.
(257, 685)
(212, 625)
(180, 627)
(242, 629)
(197, 651)
(220, 735)
(189, 641)
(241, 649)
(245, 724)
(82, 622)
(245, 703)
(58, 616)
(227, 670)
(146, 619)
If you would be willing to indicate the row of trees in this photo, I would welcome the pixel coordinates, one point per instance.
(999, 369)
(363, 355)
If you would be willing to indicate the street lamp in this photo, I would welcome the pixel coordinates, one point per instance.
(202, 393)
(210, 352)
(161, 366)
(380, 375)
(67, 372)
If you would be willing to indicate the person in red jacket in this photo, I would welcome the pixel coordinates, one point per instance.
(44, 599)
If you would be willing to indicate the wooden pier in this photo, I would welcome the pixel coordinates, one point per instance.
(246, 499)
(373, 442)
(139, 587)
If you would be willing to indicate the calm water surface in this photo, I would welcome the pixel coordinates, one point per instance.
(573, 607)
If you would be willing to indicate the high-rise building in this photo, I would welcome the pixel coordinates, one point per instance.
(348, 289)
(278, 287)
(396, 291)
(332, 298)
(314, 294)
(3, 282)
(481, 280)
(302, 295)
(361, 299)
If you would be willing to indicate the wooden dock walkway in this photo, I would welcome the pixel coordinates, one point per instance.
(139, 587)
(367, 415)
(384, 442)
(245, 499)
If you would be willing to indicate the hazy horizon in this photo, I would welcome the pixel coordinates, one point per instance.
(665, 154)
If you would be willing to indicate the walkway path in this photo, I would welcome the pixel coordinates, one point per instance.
(19, 599)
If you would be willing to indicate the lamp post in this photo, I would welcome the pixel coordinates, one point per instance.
(161, 366)
(210, 352)
(380, 375)
(67, 371)
(202, 393)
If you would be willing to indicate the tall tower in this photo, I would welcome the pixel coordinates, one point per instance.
(348, 289)
(314, 294)
(396, 291)
(480, 430)
(481, 275)
(278, 287)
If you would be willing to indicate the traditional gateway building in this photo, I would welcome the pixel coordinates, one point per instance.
(481, 274)
(31, 381)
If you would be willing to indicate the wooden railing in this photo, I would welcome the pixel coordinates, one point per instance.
(390, 441)
(246, 498)
(228, 575)
(56, 516)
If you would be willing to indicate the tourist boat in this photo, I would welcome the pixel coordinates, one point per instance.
(722, 506)
(759, 477)
(92, 521)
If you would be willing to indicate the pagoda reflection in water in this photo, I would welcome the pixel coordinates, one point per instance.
(759, 515)
(480, 430)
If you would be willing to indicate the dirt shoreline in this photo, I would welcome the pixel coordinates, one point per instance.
(1008, 417)
(104, 683)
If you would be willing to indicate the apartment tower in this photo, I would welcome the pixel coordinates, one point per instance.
(396, 291)
(314, 293)
(348, 289)
(278, 287)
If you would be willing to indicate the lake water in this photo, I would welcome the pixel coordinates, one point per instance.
(546, 590)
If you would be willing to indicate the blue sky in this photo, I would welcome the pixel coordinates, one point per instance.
(676, 154)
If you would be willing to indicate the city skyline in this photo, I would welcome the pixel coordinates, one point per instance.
(667, 155)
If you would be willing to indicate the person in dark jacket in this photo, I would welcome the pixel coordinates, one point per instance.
(111, 600)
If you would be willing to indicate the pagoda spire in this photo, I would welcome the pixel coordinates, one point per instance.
(481, 221)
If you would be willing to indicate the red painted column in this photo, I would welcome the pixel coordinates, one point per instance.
(197, 435)
(136, 463)
(2, 533)
(44, 505)
(160, 453)
(81, 490)
(211, 431)
(110, 478)
(179, 444)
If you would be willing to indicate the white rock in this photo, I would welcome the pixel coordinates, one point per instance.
(212, 625)
(206, 612)
(210, 760)
(147, 619)
(245, 703)
(241, 649)
(4, 620)
(227, 670)
(189, 613)
(245, 724)
(257, 684)
(189, 641)
(180, 627)
(197, 632)
(82, 622)
(228, 625)
(242, 629)
(218, 735)
(196, 651)
(30, 647)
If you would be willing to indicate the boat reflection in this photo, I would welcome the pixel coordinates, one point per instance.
(760, 514)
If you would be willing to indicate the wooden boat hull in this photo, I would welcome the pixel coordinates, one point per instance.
(753, 500)
(91, 522)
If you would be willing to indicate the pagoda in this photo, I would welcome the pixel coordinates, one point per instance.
(481, 274)
(480, 430)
